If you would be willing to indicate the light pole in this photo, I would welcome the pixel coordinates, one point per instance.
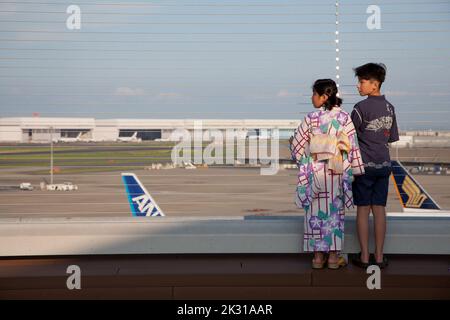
(337, 48)
(51, 155)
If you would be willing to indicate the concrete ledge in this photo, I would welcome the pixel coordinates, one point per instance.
(96, 236)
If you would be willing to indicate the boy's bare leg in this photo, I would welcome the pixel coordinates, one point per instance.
(362, 222)
(379, 214)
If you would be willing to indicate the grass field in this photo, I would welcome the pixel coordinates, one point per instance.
(91, 157)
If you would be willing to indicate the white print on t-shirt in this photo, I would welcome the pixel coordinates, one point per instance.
(379, 124)
(389, 109)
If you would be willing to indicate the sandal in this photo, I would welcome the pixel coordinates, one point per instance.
(338, 264)
(319, 265)
(382, 264)
(359, 263)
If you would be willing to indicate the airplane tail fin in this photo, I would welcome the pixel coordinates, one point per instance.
(141, 202)
(412, 195)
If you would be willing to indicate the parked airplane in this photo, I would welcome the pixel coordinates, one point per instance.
(141, 202)
(81, 137)
(413, 196)
(132, 138)
(64, 139)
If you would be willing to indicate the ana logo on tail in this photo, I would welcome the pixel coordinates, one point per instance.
(141, 203)
(412, 195)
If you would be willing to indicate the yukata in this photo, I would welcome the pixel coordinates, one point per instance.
(325, 147)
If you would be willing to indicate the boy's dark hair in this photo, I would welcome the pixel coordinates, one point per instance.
(328, 87)
(371, 71)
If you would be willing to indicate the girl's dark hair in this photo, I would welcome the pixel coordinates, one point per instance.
(328, 87)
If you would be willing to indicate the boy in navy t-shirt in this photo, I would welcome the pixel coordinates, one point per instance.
(376, 126)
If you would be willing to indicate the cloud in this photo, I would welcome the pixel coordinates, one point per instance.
(284, 93)
(168, 95)
(16, 91)
(6, 8)
(400, 93)
(129, 92)
(344, 92)
(439, 94)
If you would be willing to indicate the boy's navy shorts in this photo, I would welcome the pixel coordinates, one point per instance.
(372, 187)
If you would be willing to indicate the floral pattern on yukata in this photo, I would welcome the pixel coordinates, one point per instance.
(323, 194)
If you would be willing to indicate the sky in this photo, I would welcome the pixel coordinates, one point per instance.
(253, 59)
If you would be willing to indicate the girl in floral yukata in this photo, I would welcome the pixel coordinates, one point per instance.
(326, 150)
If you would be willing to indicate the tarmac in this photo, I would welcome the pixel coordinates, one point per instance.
(179, 192)
(212, 191)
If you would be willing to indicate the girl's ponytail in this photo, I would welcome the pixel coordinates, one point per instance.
(329, 88)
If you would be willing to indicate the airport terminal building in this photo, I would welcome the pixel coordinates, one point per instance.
(42, 130)
(45, 129)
